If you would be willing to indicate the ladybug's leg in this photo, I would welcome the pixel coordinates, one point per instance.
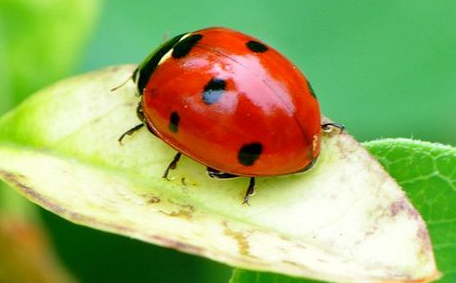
(172, 165)
(328, 127)
(250, 191)
(140, 114)
(214, 173)
(130, 132)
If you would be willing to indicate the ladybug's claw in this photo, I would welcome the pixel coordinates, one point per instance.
(250, 191)
(172, 166)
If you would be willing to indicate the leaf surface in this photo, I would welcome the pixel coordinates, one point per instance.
(427, 173)
(345, 220)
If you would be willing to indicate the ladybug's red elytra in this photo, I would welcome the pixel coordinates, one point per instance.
(230, 102)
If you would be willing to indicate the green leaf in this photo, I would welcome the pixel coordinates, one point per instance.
(244, 276)
(345, 220)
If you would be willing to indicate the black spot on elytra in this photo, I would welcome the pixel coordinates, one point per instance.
(183, 47)
(256, 46)
(213, 90)
(311, 90)
(249, 153)
(174, 122)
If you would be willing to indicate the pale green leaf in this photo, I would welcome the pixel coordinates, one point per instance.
(345, 221)
(427, 172)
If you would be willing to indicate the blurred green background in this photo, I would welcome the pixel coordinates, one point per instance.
(382, 68)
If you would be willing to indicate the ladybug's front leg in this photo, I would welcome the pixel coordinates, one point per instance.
(140, 114)
(142, 118)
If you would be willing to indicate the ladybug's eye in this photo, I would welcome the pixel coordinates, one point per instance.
(148, 66)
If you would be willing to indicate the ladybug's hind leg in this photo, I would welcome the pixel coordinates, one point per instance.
(214, 173)
(172, 165)
(250, 191)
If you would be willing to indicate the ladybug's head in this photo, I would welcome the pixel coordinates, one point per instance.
(142, 74)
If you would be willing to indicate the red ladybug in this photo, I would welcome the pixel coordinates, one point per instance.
(230, 102)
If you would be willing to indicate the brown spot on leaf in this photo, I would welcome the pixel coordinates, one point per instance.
(154, 200)
(403, 205)
(186, 210)
(239, 237)
(423, 235)
(397, 207)
(19, 181)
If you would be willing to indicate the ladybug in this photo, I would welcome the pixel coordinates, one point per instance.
(230, 102)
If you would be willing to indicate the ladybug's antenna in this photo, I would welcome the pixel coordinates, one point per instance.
(122, 84)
